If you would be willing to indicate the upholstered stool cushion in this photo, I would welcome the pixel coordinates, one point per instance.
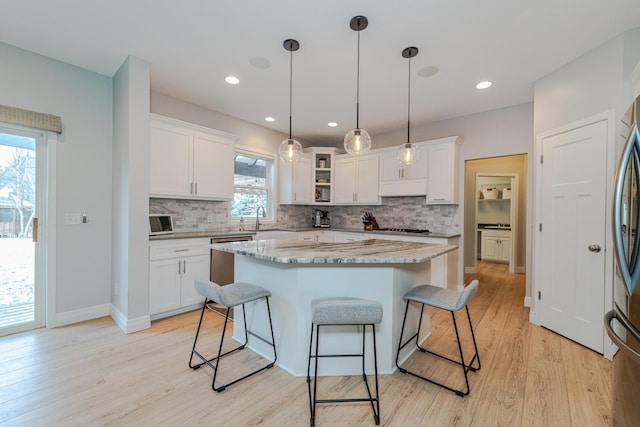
(445, 299)
(345, 311)
(232, 294)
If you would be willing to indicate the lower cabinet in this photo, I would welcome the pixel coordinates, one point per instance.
(324, 236)
(496, 246)
(173, 267)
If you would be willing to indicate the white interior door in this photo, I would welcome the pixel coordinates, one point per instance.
(572, 240)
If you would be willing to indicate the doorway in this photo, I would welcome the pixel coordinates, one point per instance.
(22, 304)
(503, 167)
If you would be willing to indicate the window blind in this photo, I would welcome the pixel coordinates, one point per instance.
(18, 116)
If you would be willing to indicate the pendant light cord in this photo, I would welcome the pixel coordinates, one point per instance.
(409, 106)
(290, 89)
(358, 87)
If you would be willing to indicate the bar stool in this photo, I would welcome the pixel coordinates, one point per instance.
(230, 296)
(449, 300)
(344, 311)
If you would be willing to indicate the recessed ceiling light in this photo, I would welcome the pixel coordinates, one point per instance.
(332, 124)
(484, 85)
(232, 80)
(261, 63)
(428, 71)
(270, 119)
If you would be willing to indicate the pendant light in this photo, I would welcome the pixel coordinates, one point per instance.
(407, 153)
(358, 141)
(290, 149)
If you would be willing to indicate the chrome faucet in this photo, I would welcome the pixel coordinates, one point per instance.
(264, 215)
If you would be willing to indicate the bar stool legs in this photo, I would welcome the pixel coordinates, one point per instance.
(320, 319)
(447, 300)
(214, 362)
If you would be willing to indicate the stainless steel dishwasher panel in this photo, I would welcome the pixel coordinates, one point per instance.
(222, 271)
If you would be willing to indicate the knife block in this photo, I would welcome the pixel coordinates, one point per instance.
(368, 227)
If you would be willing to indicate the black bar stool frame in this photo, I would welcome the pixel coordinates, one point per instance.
(220, 355)
(313, 397)
(465, 367)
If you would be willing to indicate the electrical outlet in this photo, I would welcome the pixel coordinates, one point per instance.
(209, 217)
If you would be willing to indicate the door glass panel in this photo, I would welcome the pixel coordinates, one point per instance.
(17, 211)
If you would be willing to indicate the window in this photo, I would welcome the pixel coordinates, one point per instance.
(253, 177)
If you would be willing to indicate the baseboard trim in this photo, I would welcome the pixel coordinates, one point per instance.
(470, 270)
(527, 301)
(129, 325)
(520, 270)
(81, 315)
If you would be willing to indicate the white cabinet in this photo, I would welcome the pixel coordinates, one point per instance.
(189, 161)
(173, 267)
(323, 236)
(357, 179)
(443, 171)
(295, 181)
(397, 179)
(345, 237)
(275, 234)
(496, 245)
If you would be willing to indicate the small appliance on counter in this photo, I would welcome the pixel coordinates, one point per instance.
(322, 219)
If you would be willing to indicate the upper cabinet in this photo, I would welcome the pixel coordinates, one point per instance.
(397, 179)
(295, 181)
(359, 179)
(189, 161)
(443, 170)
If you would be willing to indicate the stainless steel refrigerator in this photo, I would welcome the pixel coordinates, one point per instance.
(623, 321)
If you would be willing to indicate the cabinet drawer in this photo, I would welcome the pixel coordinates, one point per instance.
(183, 247)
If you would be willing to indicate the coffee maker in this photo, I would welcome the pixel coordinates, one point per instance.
(322, 219)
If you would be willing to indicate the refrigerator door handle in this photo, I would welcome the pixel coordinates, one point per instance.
(632, 330)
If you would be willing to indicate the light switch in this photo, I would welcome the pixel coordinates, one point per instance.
(72, 219)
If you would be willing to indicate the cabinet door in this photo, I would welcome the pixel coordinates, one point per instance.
(164, 285)
(390, 168)
(212, 167)
(439, 181)
(308, 236)
(302, 180)
(193, 267)
(505, 249)
(170, 160)
(345, 180)
(490, 248)
(367, 179)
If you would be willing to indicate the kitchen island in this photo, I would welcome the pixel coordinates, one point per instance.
(297, 272)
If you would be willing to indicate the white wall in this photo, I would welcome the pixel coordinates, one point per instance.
(83, 100)
(130, 288)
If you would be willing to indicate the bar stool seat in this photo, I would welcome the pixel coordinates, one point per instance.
(230, 296)
(344, 311)
(452, 301)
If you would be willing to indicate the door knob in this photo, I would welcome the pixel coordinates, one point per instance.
(594, 248)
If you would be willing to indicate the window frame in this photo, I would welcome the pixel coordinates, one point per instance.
(271, 187)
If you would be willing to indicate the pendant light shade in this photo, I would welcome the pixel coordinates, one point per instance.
(408, 153)
(357, 141)
(290, 150)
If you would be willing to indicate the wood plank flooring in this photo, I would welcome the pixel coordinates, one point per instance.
(92, 374)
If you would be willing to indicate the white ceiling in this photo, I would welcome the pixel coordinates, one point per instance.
(192, 45)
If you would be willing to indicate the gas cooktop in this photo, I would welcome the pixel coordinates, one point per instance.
(405, 230)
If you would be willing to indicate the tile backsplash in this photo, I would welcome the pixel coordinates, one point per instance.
(397, 212)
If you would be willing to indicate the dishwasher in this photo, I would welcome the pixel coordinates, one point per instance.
(222, 267)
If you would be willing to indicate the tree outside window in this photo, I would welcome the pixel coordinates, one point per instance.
(253, 182)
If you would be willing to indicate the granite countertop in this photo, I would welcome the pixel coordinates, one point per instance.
(371, 251)
(221, 233)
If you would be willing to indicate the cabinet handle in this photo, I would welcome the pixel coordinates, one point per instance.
(181, 250)
(295, 197)
(184, 266)
(399, 173)
(179, 267)
(196, 188)
(191, 188)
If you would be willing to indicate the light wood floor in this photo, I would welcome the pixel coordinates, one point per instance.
(92, 374)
